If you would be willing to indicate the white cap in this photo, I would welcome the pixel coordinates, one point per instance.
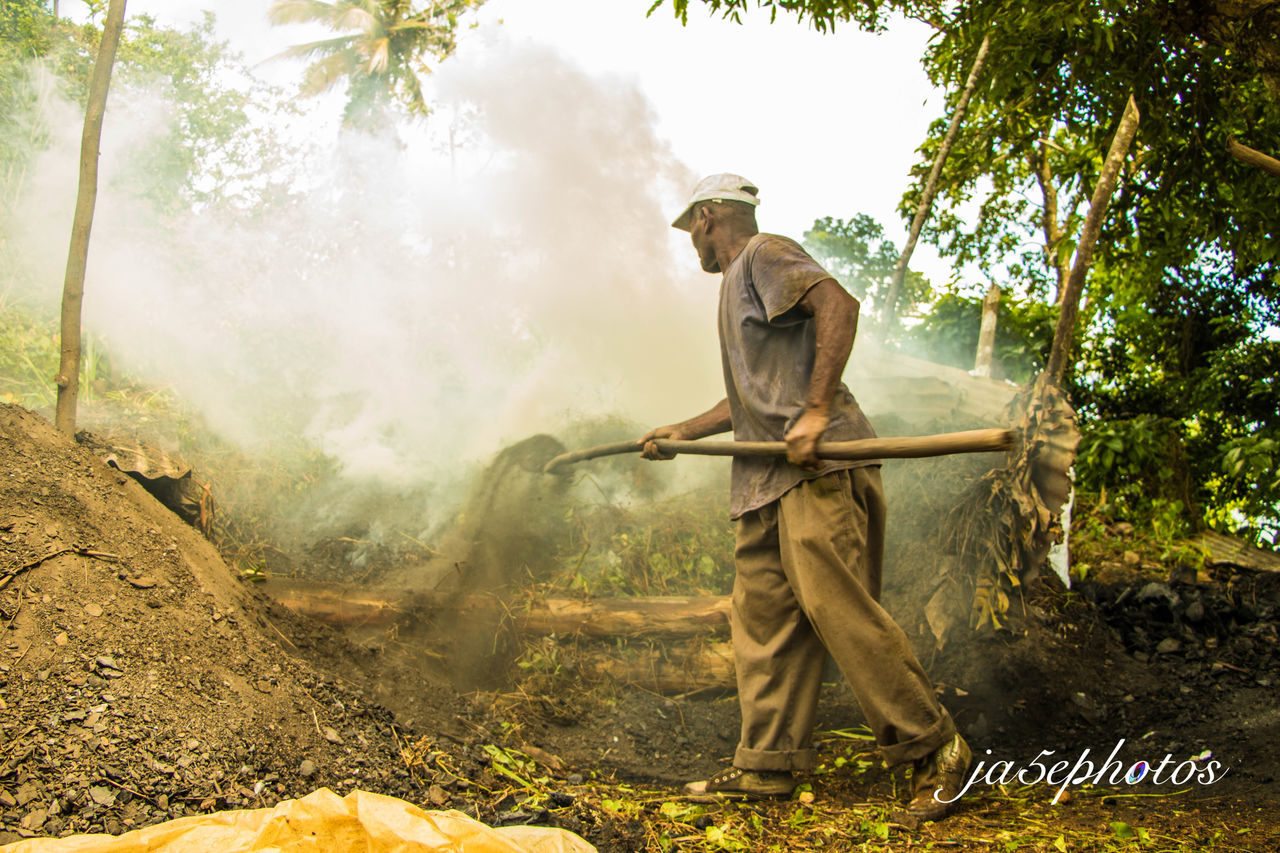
(718, 188)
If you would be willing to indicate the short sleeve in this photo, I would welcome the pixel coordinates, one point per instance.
(782, 273)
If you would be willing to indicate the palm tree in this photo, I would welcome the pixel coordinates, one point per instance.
(380, 54)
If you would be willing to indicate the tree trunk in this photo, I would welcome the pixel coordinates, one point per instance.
(1102, 191)
(1254, 158)
(655, 616)
(987, 334)
(1053, 233)
(68, 378)
(931, 189)
(683, 668)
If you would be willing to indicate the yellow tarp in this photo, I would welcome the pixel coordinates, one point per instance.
(322, 822)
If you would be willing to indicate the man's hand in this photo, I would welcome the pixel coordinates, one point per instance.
(651, 450)
(803, 438)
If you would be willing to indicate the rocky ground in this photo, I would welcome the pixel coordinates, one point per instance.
(140, 680)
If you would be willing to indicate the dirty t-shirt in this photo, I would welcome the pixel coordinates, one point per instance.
(767, 345)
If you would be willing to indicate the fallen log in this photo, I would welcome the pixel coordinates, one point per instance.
(655, 616)
(668, 669)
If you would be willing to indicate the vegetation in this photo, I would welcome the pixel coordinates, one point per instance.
(381, 54)
(1182, 307)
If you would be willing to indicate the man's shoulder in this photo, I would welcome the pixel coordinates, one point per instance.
(773, 253)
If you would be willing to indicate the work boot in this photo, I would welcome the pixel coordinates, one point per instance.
(938, 778)
(736, 782)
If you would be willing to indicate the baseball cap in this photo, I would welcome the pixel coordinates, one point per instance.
(724, 186)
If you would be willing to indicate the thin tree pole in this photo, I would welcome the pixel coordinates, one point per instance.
(1253, 157)
(68, 378)
(931, 187)
(987, 332)
(1102, 192)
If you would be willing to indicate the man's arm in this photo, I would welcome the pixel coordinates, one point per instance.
(835, 315)
(711, 422)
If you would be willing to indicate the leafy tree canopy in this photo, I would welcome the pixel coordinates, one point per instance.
(212, 147)
(382, 53)
(1177, 347)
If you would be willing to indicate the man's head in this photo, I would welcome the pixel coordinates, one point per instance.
(721, 214)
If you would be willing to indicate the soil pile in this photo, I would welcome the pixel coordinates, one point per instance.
(141, 681)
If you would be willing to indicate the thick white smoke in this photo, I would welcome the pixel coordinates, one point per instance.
(425, 303)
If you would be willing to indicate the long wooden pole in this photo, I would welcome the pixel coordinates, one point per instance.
(906, 447)
(1102, 191)
(931, 188)
(68, 378)
(1253, 157)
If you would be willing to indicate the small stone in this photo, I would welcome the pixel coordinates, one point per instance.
(102, 795)
(806, 797)
(1131, 559)
(437, 795)
(1195, 611)
(574, 778)
(92, 609)
(1156, 591)
(62, 639)
(144, 582)
(307, 768)
(331, 735)
(1124, 528)
(1168, 646)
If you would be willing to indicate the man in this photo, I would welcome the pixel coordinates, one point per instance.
(810, 533)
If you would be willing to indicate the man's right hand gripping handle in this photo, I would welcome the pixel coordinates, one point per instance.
(651, 450)
(711, 422)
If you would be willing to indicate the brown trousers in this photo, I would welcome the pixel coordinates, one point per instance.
(808, 583)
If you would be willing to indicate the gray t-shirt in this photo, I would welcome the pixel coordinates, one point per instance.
(767, 347)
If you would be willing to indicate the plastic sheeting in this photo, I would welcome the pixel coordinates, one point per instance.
(321, 822)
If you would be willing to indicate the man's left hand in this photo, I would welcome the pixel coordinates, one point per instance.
(803, 438)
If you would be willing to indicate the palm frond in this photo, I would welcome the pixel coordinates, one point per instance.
(379, 56)
(355, 18)
(300, 12)
(324, 47)
(324, 75)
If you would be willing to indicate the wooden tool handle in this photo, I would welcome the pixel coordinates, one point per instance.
(906, 447)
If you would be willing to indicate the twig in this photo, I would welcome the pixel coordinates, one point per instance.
(137, 794)
(24, 653)
(316, 720)
(84, 552)
(278, 631)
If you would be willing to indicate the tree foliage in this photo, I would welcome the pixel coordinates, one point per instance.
(858, 254)
(1177, 345)
(212, 144)
(380, 55)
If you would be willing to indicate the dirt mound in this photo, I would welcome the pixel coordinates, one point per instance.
(141, 680)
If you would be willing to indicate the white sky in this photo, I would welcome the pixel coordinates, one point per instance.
(825, 124)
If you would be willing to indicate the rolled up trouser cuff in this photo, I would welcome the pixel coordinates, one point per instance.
(935, 737)
(775, 759)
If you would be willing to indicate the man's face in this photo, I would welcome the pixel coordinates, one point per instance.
(698, 226)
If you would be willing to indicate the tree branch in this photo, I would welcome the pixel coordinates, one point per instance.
(931, 187)
(1102, 192)
(1248, 155)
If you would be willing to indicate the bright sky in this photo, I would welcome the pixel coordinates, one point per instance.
(825, 124)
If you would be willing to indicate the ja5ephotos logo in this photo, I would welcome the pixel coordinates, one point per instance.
(1112, 772)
